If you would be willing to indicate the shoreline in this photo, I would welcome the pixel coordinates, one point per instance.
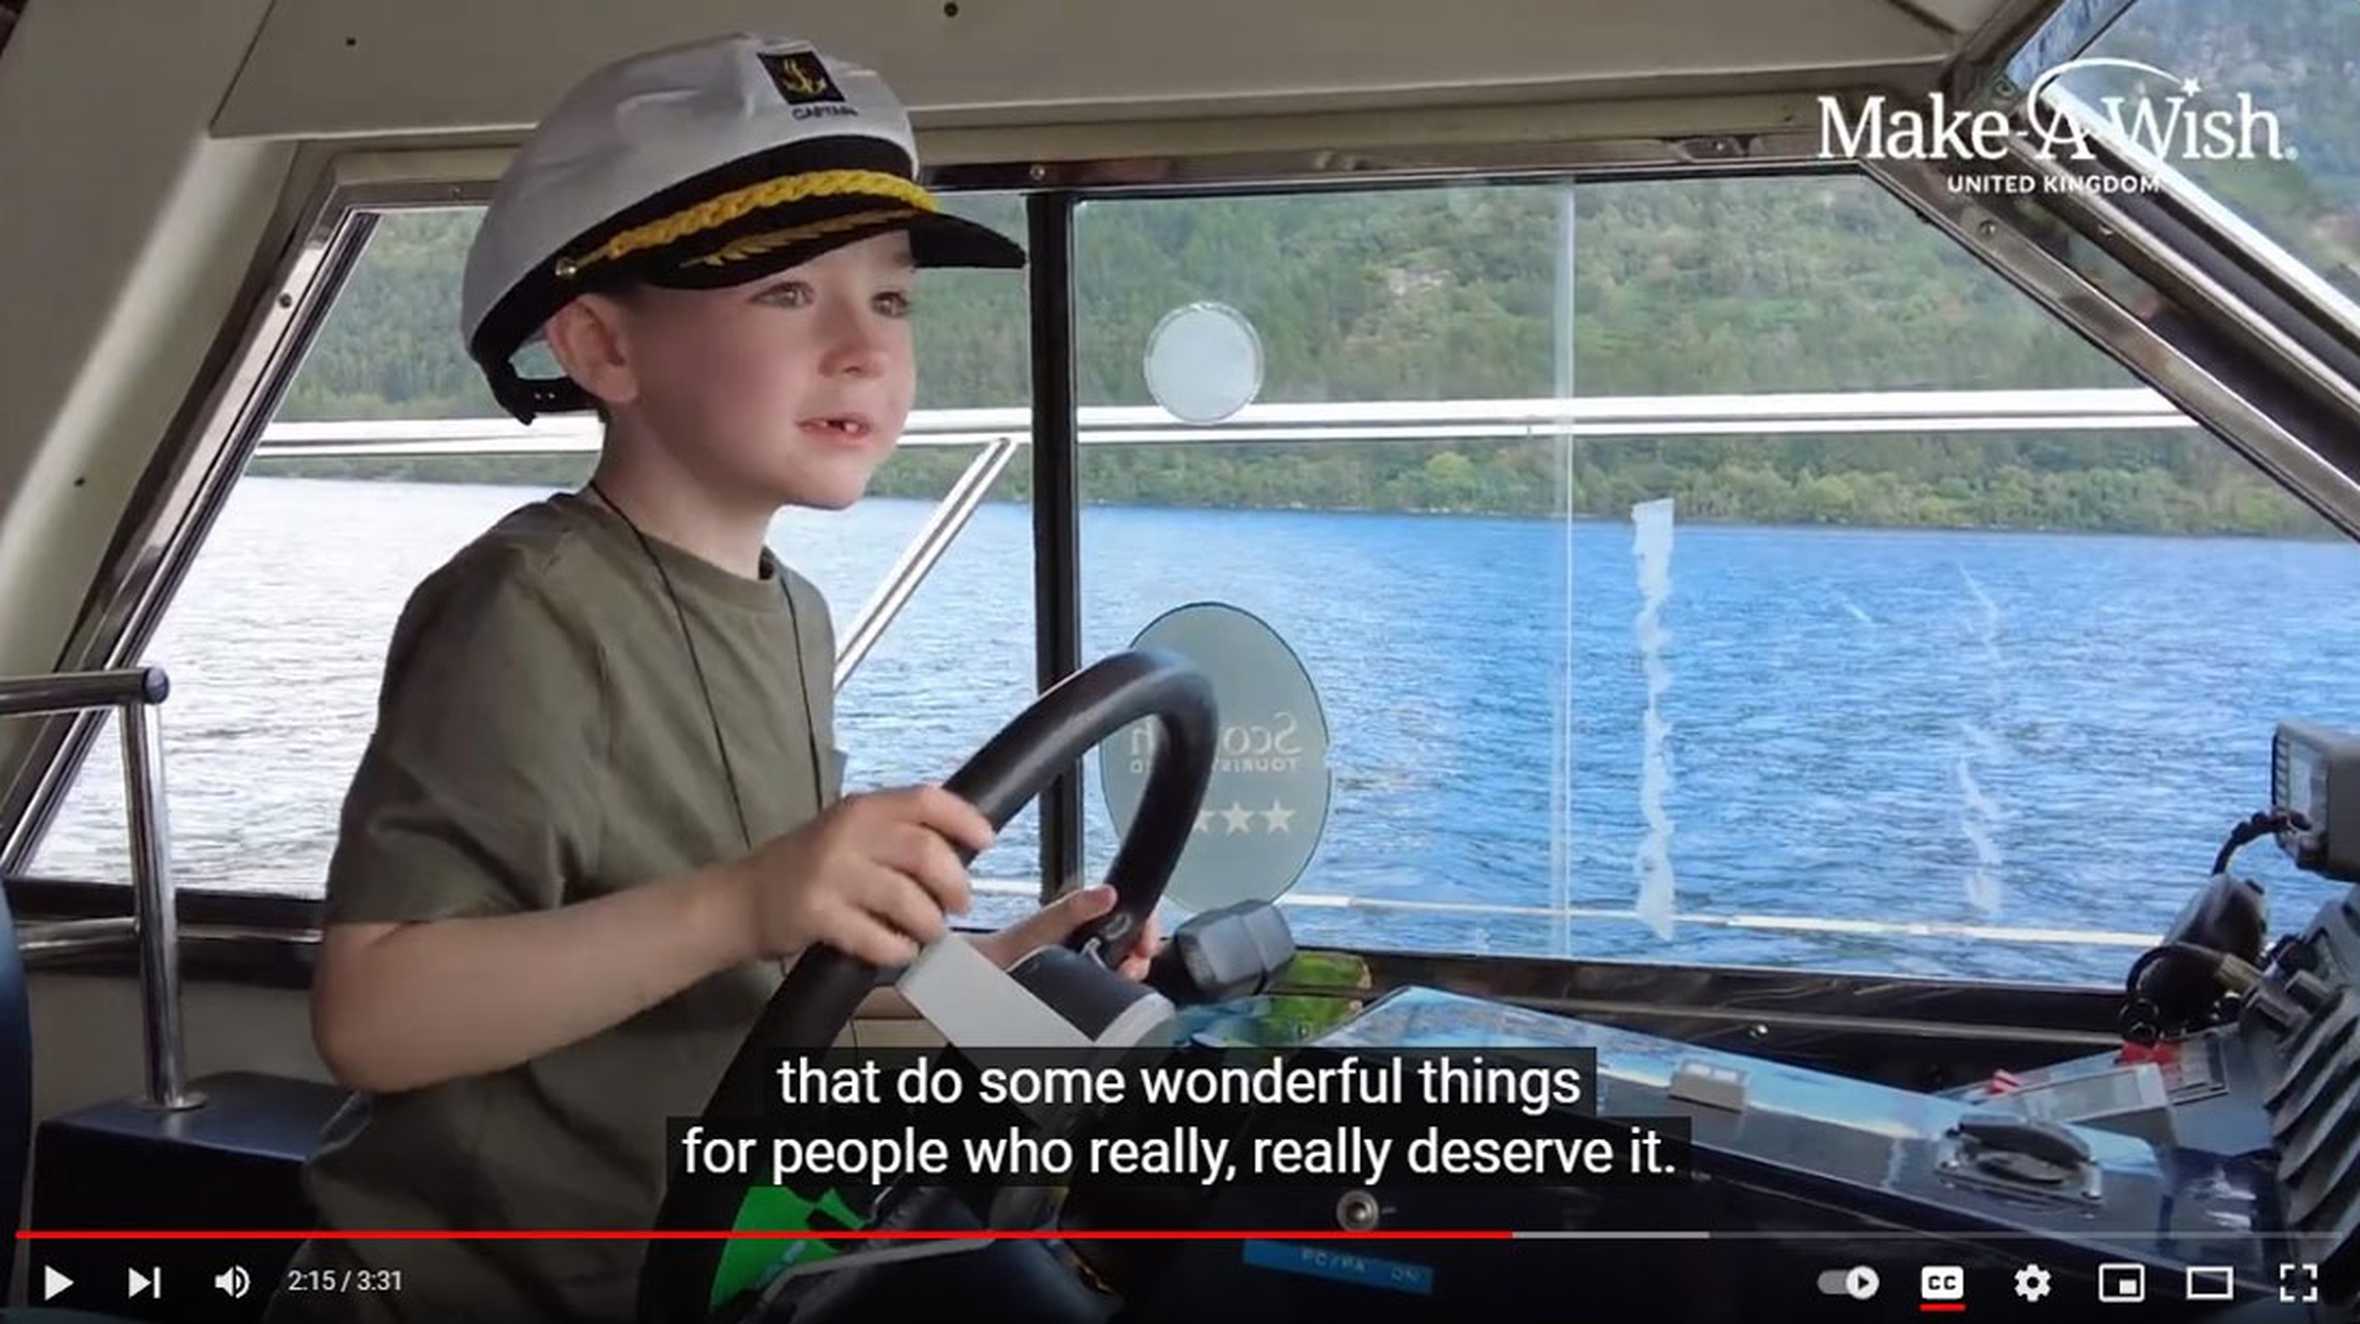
(2327, 537)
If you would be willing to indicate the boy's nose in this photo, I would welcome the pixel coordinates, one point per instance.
(864, 359)
(856, 346)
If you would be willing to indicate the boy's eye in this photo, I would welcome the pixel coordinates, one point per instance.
(893, 303)
(790, 294)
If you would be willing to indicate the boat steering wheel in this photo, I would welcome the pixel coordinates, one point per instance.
(824, 989)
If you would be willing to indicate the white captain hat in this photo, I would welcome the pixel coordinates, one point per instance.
(696, 166)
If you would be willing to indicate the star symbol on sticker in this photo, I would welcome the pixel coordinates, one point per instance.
(2190, 87)
(1240, 818)
(1279, 816)
(1204, 821)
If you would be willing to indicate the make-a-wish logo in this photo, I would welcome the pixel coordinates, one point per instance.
(2172, 128)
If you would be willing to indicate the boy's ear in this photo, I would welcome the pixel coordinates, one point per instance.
(586, 338)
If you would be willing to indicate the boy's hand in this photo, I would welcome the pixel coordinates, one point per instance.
(1055, 922)
(872, 876)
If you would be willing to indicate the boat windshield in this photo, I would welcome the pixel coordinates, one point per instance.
(1715, 569)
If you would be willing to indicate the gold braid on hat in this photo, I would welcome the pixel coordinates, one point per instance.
(754, 245)
(724, 208)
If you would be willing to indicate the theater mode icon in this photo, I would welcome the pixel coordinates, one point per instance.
(2212, 1282)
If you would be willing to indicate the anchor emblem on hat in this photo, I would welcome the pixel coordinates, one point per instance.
(801, 77)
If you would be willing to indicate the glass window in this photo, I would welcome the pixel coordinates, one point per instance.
(1941, 685)
(276, 641)
(2270, 129)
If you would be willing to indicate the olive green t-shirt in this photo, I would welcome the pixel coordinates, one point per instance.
(541, 740)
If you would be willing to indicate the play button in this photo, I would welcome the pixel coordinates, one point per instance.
(53, 1282)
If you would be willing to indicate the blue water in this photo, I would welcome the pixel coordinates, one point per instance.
(2018, 731)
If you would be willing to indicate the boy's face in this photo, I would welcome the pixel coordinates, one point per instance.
(794, 386)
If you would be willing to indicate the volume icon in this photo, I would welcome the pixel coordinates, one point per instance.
(234, 1280)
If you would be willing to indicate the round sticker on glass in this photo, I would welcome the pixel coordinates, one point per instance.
(1203, 362)
(1268, 799)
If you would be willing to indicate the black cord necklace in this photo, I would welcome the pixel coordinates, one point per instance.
(712, 714)
(688, 637)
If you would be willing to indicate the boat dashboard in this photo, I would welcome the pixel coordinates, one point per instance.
(2206, 1168)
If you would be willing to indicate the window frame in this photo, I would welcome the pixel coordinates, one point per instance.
(2071, 32)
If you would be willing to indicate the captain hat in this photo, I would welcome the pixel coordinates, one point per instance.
(692, 167)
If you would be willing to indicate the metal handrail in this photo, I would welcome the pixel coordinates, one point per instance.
(133, 692)
(918, 559)
(1349, 421)
(74, 692)
(62, 938)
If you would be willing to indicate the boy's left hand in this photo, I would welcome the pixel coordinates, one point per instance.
(1055, 922)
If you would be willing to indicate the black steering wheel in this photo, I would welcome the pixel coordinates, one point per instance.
(824, 989)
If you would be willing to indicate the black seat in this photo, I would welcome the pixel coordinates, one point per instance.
(16, 1119)
(16, 1087)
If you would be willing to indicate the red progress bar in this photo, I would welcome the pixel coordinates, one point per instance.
(866, 1234)
(1940, 1307)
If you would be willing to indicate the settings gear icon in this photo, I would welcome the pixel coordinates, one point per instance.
(2032, 1282)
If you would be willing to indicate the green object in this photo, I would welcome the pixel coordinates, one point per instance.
(1325, 971)
(1266, 1021)
(746, 1265)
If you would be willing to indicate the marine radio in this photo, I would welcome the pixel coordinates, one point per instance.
(2315, 778)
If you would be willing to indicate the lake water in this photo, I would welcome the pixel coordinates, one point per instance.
(2022, 732)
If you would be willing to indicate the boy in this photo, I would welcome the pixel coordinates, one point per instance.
(596, 811)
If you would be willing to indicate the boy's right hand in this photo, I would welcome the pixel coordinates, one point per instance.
(872, 876)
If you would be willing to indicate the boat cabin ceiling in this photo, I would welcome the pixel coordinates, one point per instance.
(186, 188)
